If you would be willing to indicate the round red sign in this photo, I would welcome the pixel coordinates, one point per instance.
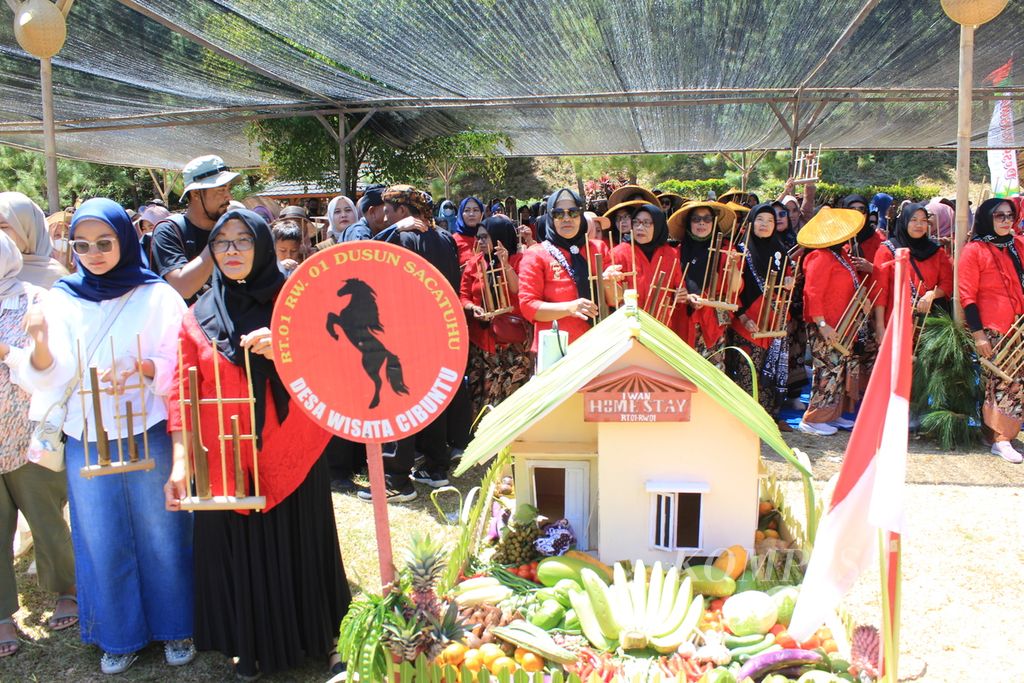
(371, 340)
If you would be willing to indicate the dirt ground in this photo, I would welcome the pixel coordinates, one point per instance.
(963, 555)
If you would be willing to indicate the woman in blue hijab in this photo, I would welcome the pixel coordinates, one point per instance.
(467, 220)
(133, 558)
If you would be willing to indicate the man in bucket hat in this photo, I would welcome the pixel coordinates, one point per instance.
(179, 253)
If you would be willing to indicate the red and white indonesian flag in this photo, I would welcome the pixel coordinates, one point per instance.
(868, 497)
(1002, 155)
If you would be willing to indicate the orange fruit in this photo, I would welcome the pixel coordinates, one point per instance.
(454, 654)
(830, 646)
(771, 533)
(489, 652)
(532, 663)
(503, 664)
(473, 660)
(519, 654)
(758, 536)
(764, 507)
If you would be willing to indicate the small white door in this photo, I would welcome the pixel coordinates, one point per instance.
(561, 489)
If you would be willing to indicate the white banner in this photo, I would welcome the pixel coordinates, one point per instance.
(1002, 163)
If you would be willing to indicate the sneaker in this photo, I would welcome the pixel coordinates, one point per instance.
(1007, 452)
(817, 428)
(456, 453)
(842, 423)
(419, 460)
(111, 664)
(432, 478)
(400, 495)
(179, 652)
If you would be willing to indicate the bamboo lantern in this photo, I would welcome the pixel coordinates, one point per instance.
(40, 28)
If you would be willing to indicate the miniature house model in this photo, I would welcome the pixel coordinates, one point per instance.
(638, 442)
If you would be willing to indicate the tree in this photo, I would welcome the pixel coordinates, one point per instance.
(300, 149)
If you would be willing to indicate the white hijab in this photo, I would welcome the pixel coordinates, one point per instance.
(10, 266)
(29, 222)
(333, 204)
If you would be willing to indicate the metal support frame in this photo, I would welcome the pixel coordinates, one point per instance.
(744, 167)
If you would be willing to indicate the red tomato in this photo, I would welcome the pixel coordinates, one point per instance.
(811, 643)
(776, 630)
(716, 604)
(785, 640)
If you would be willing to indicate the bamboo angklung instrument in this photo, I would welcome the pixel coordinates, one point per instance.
(596, 284)
(776, 300)
(104, 463)
(1007, 359)
(857, 311)
(717, 291)
(661, 296)
(494, 290)
(232, 495)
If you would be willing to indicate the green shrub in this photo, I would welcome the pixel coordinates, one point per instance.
(694, 189)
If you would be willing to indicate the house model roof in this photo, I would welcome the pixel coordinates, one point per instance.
(588, 357)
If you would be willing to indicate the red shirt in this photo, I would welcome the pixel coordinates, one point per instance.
(481, 333)
(543, 280)
(466, 245)
(937, 270)
(289, 450)
(665, 259)
(869, 247)
(706, 316)
(828, 285)
(989, 280)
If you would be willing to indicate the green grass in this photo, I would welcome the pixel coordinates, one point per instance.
(46, 656)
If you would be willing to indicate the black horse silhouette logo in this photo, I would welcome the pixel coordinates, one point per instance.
(360, 321)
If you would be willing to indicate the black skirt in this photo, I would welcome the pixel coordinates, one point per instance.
(270, 587)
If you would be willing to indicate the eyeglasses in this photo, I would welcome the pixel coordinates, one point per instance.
(103, 246)
(1002, 216)
(560, 214)
(702, 219)
(782, 213)
(642, 224)
(471, 209)
(241, 244)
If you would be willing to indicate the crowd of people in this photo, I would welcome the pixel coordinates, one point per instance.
(777, 293)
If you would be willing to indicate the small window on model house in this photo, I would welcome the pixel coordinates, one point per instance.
(677, 515)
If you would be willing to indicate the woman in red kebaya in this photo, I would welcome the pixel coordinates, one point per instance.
(649, 253)
(830, 282)
(992, 294)
(270, 588)
(703, 327)
(499, 351)
(764, 251)
(471, 214)
(931, 271)
(554, 276)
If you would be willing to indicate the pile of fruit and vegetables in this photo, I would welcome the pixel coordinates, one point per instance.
(568, 617)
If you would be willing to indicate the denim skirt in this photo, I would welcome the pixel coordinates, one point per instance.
(133, 558)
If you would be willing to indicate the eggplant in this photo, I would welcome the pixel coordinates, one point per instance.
(765, 663)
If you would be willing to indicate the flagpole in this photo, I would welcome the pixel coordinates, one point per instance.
(890, 563)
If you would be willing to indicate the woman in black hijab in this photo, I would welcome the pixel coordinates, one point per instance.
(270, 586)
(499, 351)
(931, 271)
(764, 251)
(554, 277)
(992, 293)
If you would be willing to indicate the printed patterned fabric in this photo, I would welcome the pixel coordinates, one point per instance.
(14, 400)
(493, 376)
(1003, 409)
(836, 381)
(772, 366)
(712, 353)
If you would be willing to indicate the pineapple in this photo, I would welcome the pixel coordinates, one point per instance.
(425, 560)
(449, 629)
(405, 638)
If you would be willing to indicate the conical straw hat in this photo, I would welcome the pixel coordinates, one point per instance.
(677, 221)
(830, 227)
(619, 196)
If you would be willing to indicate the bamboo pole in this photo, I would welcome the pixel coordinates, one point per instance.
(220, 421)
(102, 445)
(963, 157)
(49, 134)
(252, 426)
(236, 455)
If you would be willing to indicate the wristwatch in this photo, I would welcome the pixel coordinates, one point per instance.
(822, 324)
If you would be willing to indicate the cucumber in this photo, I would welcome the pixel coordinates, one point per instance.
(763, 643)
(732, 642)
(551, 570)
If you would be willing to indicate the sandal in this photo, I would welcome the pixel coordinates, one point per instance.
(5, 644)
(59, 623)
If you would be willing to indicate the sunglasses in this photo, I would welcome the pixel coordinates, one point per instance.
(702, 219)
(103, 246)
(241, 244)
(1002, 216)
(560, 214)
